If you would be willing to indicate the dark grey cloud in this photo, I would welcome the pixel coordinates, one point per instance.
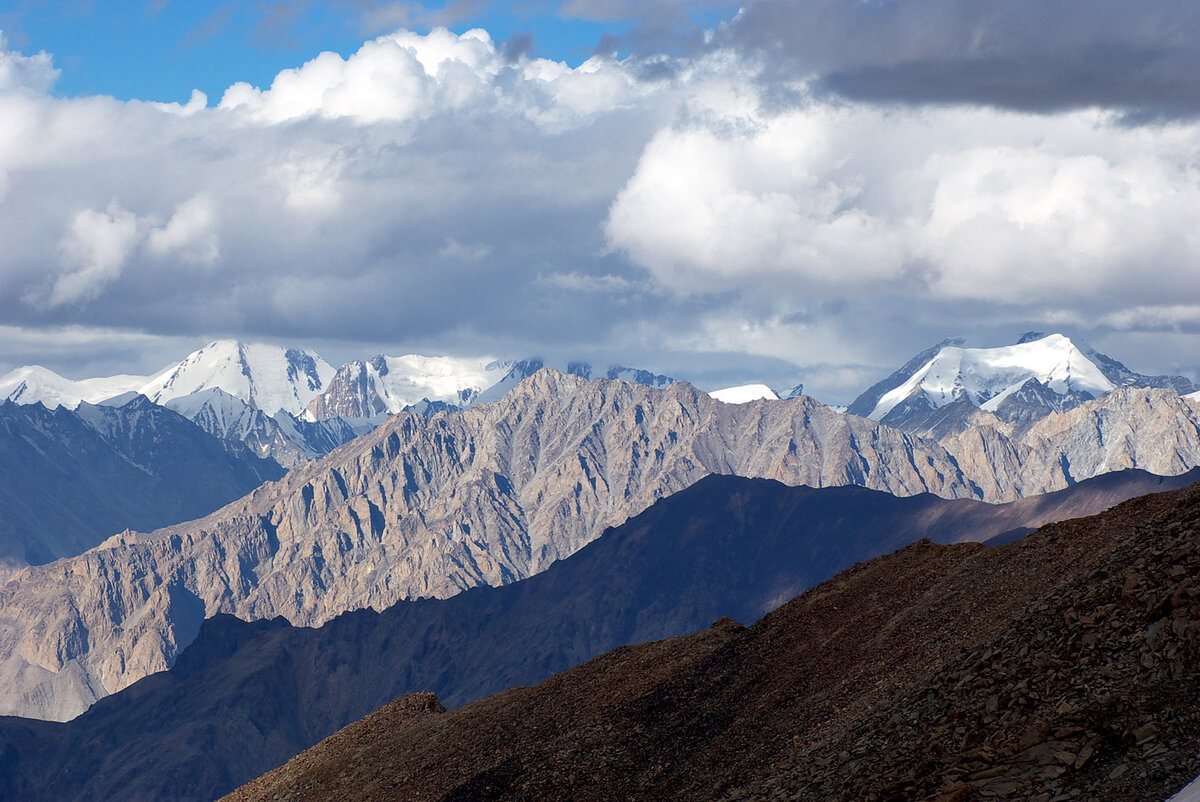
(1026, 54)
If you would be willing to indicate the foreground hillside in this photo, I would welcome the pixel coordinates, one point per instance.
(1065, 665)
(245, 697)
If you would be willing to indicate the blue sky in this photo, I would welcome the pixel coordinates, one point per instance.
(163, 49)
(812, 192)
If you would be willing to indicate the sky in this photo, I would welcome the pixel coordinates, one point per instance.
(783, 191)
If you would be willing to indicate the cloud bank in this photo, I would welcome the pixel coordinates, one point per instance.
(709, 214)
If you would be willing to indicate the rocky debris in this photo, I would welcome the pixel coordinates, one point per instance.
(1064, 666)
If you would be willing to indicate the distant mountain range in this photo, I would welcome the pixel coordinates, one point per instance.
(290, 405)
(245, 697)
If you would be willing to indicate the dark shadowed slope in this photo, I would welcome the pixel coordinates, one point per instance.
(1063, 666)
(246, 697)
(71, 478)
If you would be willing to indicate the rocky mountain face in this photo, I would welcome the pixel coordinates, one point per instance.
(948, 388)
(1062, 666)
(245, 697)
(1154, 430)
(390, 384)
(422, 507)
(523, 369)
(283, 437)
(71, 478)
(430, 507)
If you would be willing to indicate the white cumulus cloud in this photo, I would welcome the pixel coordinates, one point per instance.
(94, 251)
(945, 202)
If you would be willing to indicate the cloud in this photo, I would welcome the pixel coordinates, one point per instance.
(441, 193)
(1025, 54)
(18, 72)
(453, 249)
(93, 253)
(582, 282)
(188, 236)
(937, 204)
(411, 77)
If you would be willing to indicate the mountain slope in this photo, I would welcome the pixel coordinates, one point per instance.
(245, 697)
(1063, 666)
(1154, 430)
(424, 507)
(389, 384)
(429, 507)
(34, 384)
(268, 377)
(282, 437)
(69, 479)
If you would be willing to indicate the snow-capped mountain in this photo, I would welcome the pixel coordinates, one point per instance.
(943, 389)
(389, 384)
(987, 376)
(268, 377)
(33, 383)
(744, 394)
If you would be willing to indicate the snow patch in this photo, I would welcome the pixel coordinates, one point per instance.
(745, 393)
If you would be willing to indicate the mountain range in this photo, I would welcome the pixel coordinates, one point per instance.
(1058, 667)
(431, 506)
(245, 697)
(433, 530)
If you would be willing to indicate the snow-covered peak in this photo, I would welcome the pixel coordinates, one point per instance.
(744, 394)
(267, 377)
(33, 384)
(389, 384)
(986, 376)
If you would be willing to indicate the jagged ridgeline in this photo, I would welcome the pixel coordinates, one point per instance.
(430, 506)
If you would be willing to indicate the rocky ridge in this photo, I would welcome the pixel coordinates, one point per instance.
(283, 437)
(1060, 667)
